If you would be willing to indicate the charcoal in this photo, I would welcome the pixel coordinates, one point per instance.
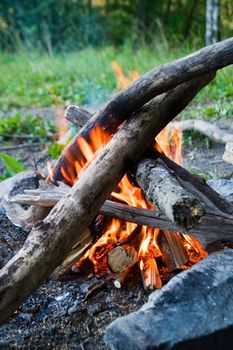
(193, 311)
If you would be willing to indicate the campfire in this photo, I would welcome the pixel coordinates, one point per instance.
(123, 244)
(117, 199)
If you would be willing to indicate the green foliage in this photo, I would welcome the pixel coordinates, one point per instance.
(55, 150)
(190, 136)
(86, 77)
(26, 126)
(11, 164)
(58, 25)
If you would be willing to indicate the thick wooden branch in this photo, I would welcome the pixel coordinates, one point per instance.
(77, 115)
(51, 240)
(216, 221)
(163, 190)
(194, 184)
(142, 90)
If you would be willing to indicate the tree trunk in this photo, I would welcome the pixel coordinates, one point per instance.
(212, 21)
(190, 18)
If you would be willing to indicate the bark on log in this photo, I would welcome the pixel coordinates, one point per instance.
(163, 189)
(77, 115)
(217, 219)
(51, 240)
(142, 90)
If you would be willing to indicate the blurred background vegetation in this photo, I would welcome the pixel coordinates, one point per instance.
(56, 52)
(62, 25)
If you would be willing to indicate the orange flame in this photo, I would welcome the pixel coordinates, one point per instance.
(122, 80)
(50, 171)
(169, 142)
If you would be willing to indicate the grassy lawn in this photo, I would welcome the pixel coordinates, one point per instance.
(86, 77)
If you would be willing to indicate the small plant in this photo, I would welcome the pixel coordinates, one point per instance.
(55, 150)
(30, 127)
(12, 166)
(189, 137)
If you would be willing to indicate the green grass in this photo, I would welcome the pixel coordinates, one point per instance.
(86, 77)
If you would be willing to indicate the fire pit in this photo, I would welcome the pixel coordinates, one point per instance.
(89, 217)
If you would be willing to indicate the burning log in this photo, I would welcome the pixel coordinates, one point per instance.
(219, 225)
(217, 212)
(142, 90)
(51, 240)
(195, 185)
(173, 251)
(163, 189)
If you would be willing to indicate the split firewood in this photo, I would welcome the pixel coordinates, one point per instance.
(121, 257)
(150, 274)
(142, 90)
(173, 251)
(51, 240)
(163, 189)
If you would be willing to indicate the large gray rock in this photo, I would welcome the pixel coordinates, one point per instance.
(224, 187)
(195, 305)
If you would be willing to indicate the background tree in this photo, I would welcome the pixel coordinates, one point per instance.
(212, 21)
